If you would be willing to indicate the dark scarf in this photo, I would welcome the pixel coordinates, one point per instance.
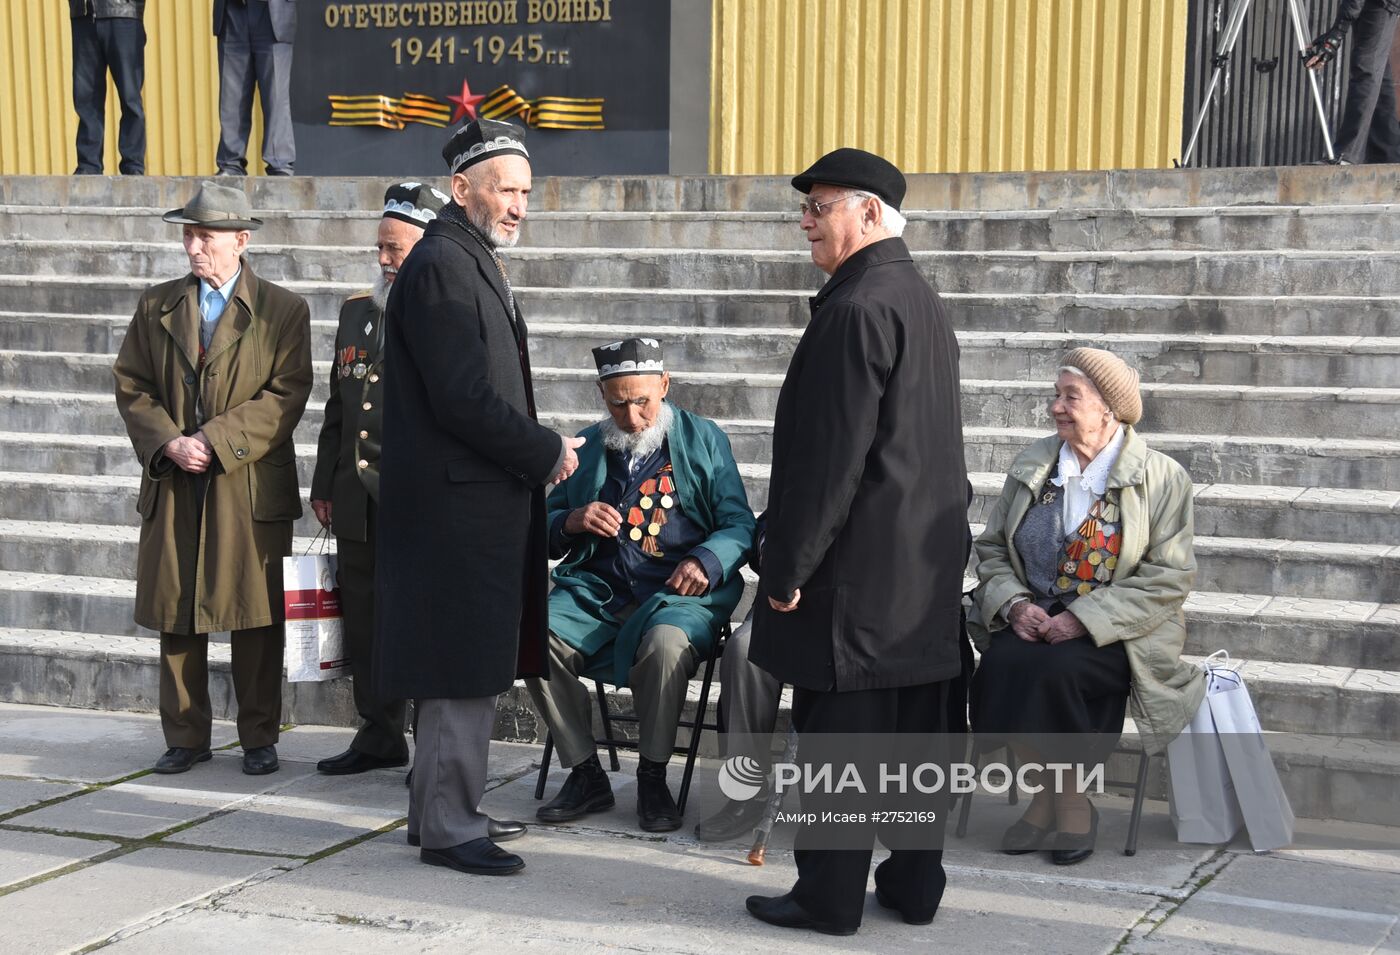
(456, 215)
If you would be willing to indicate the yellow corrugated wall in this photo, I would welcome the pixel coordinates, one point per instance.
(37, 122)
(947, 85)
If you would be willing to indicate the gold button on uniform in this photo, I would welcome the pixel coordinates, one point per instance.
(366, 406)
(373, 379)
(363, 464)
(363, 435)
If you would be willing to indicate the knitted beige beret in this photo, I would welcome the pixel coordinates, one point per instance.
(1117, 383)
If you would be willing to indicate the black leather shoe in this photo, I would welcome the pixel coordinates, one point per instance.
(353, 761)
(179, 759)
(260, 760)
(886, 901)
(734, 820)
(497, 830)
(586, 790)
(1022, 838)
(781, 910)
(478, 857)
(656, 810)
(1073, 847)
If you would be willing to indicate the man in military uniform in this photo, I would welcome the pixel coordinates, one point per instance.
(346, 483)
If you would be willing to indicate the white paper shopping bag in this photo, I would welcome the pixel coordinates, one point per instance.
(315, 641)
(1201, 799)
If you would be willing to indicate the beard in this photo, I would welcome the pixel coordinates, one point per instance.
(644, 443)
(379, 294)
(497, 237)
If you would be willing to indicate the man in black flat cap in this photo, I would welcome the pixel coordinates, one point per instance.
(461, 562)
(859, 600)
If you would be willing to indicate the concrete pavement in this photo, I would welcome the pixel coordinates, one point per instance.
(96, 853)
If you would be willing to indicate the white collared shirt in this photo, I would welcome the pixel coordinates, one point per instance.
(1082, 486)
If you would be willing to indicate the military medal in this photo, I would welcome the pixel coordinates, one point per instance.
(1091, 554)
(1049, 496)
(666, 486)
(369, 327)
(360, 369)
(345, 371)
(648, 489)
(636, 519)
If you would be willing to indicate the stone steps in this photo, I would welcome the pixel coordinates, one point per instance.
(1271, 370)
(1290, 361)
(1211, 459)
(1165, 272)
(1285, 695)
(660, 308)
(1348, 413)
(984, 192)
(1368, 227)
(1325, 776)
(1292, 513)
(1314, 569)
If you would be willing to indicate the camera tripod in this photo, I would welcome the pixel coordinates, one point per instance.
(1229, 38)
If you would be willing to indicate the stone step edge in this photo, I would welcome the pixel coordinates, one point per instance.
(985, 484)
(672, 215)
(1275, 610)
(797, 255)
(1258, 344)
(775, 380)
(976, 433)
(1319, 345)
(1334, 752)
(1273, 548)
(542, 291)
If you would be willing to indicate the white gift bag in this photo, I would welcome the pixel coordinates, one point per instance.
(1201, 797)
(1267, 814)
(315, 642)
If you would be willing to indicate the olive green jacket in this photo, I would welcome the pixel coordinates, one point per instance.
(1142, 605)
(211, 549)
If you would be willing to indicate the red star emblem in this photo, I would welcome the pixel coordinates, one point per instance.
(466, 102)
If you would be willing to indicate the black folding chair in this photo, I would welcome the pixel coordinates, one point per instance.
(695, 725)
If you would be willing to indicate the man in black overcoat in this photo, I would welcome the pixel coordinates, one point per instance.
(859, 601)
(461, 554)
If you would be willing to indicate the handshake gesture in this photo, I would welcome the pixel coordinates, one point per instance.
(571, 446)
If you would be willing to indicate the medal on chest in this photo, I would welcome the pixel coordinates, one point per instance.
(1090, 555)
(656, 497)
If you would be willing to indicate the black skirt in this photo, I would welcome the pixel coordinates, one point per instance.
(1065, 701)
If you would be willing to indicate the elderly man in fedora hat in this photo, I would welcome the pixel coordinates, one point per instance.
(211, 380)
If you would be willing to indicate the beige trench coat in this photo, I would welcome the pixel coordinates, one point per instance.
(1142, 605)
(217, 566)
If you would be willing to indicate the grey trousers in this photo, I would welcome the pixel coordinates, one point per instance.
(748, 700)
(249, 54)
(664, 664)
(1368, 131)
(449, 771)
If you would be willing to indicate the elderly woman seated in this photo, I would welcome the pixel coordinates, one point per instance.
(1084, 566)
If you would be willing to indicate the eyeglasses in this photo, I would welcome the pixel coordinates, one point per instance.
(810, 207)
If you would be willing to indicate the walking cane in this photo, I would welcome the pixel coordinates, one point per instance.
(773, 807)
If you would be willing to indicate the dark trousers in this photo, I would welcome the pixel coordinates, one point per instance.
(1369, 131)
(185, 713)
(117, 44)
(381, 733)
(831, 882)
(250, 55)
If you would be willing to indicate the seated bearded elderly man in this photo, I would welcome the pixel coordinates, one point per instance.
(652, 531)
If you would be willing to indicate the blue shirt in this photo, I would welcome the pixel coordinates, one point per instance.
(212, 302)
(632, 574)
